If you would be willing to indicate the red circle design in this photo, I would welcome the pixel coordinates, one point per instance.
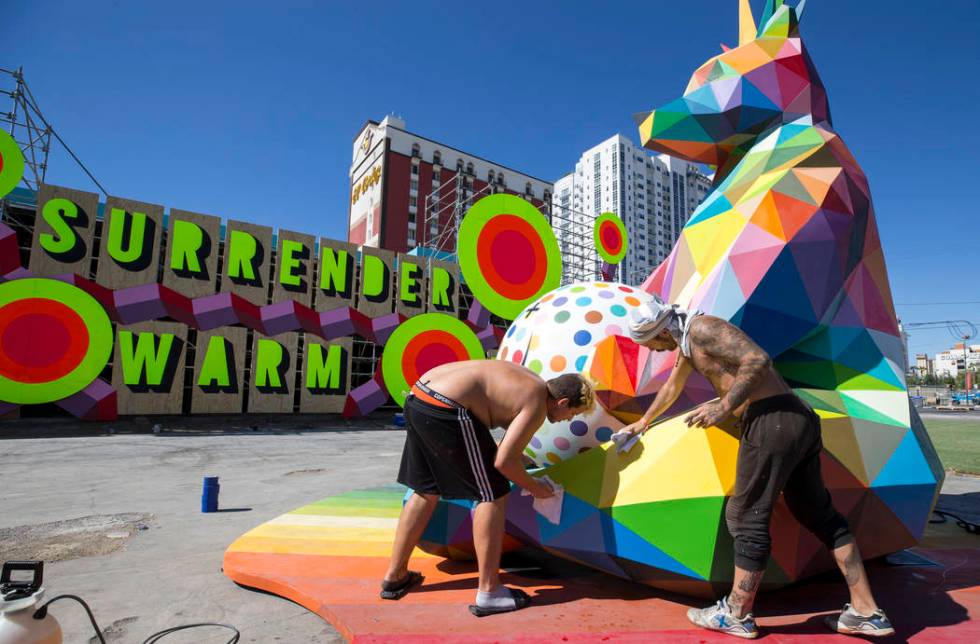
(41, 340)
(430, 349)
(514, 271)
(511, 254)
(611, 239)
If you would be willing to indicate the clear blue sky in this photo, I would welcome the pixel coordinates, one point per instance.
(248, 109)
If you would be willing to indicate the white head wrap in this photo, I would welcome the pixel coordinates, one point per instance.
(648, 320)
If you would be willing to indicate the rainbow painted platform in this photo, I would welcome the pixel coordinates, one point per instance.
(330, 555)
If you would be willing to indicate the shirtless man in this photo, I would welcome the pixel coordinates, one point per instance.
(449, 452)
(779, 452)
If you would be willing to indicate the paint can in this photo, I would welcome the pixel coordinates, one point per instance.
(209, 494)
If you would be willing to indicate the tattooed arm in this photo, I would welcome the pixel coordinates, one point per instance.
(666, 397)
(729, 346)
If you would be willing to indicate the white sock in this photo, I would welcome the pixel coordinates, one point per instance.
(500, 597)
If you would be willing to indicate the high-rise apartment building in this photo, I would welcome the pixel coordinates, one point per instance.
(407, 190)
(653, 195)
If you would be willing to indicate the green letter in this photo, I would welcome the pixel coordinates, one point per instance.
(185, 242)
(373, 274)
(442, 281)
(268, 357)
(137, 236)
(334, 265)
(214, 369)
(288, 261)
(145, 358)
(323, 373)
(242, 249)
(408, 284)
(63, 241)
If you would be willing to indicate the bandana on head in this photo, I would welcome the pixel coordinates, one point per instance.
(648, 320)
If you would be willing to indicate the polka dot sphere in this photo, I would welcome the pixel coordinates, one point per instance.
(558, 334)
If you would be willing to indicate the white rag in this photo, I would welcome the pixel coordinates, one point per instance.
(549, 508)
(624, 442)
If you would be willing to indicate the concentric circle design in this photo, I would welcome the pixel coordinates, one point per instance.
(421, 343)
(610, 237)
(11, 164)
(508, 254)
(55, 339)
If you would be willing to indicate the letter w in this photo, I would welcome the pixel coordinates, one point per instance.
(145, 357)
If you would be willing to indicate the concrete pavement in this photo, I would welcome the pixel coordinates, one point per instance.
(141, 494)
(170, 572)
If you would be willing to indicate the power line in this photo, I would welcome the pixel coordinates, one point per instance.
(936, 303)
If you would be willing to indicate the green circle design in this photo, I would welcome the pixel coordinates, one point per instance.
(13, 164)
(391, 358)
(469, 233)
(609, 257)
(99, 346)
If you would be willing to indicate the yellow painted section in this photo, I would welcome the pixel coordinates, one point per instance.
(746, 58)
(322, 533)
(711, 240)
(279, 546)
(838, 439)
(675, 463)
(746, 23)
(335, 521)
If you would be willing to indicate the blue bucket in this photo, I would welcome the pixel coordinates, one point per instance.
(209, 494)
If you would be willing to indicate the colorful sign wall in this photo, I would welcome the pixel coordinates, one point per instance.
(179, 312)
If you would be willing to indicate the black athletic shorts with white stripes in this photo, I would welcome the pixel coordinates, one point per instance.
(448, 452)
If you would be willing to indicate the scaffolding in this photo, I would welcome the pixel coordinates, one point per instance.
(26, 126)
(30, 130)
(445, 207)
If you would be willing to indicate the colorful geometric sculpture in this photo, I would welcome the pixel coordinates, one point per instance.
(365, 398)
(626, 377)
(96, 402)
(654, 514)
(55, 339)
(422, 343)
(557, 334)
(786, 247)
(508, 254)
(611, 240)
(11, 164)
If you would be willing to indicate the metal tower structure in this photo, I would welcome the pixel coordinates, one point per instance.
(445, 207)
(30, 130)
(25, 126)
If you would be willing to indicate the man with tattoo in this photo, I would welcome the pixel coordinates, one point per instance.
(779, 452)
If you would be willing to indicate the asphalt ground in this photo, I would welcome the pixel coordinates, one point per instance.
(115, 510)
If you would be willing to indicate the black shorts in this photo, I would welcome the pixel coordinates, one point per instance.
(449, 453)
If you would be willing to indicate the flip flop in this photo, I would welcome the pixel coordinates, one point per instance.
(521, 600)
(397, 589)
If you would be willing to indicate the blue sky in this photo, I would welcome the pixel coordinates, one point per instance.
(247, 110)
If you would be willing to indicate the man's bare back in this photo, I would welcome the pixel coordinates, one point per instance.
(492, 390)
